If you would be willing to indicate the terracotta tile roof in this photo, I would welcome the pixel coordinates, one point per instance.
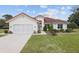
(51, 20)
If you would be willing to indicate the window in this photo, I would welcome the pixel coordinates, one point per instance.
(60, 26)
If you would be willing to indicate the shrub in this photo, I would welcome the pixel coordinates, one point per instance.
(5, 31)
(53, 33)
(39, 31)
(55, 30)
(61, 30)
(50, 27)
(45, 28)
(69, 30)
(72, 25)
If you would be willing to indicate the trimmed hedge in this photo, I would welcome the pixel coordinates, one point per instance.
(56, 30)
(61, 30)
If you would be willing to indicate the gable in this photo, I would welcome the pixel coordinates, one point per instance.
(22, 17)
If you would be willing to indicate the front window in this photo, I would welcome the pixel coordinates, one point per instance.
(60, 26)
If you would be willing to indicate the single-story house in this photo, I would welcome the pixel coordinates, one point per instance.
(23, 23)
(57, 24)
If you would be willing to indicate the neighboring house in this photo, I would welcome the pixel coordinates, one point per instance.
(24, 23)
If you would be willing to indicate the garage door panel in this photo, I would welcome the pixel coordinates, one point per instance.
(23, 28)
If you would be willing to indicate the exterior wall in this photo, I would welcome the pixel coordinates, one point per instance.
(23, 19)
(64, 26)
(55, 26)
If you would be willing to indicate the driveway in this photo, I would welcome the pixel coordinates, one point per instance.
(13, 43)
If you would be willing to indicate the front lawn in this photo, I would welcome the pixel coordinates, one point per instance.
(47, 43)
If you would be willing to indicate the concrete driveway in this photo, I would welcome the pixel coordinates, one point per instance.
(13, 43)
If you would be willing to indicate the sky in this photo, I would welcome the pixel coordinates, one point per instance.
(54, 11)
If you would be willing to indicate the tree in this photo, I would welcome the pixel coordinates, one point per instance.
(74, 17)
(2, 23)
(6, 26)
(72, 25)
(7, 16)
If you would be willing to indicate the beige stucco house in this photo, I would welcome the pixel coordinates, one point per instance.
(23, 23)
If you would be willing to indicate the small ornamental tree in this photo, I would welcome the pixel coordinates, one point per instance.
(50, 27)
(45, 28)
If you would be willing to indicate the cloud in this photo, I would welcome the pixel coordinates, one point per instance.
(28, 11)
(62, 8)
(62, 12)
(43, 6)
(68, 7)
(19, 10)
(49, 13)
(54, 13)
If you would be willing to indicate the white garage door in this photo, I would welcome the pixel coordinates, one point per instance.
(23, 28)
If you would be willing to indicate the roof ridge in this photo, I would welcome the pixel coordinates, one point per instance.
(20, 14)
(54, 18)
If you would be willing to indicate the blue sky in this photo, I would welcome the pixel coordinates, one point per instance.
(55, 11)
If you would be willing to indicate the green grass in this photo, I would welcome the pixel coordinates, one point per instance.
(48, 44)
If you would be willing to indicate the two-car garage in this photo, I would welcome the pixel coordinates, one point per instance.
(22, 24)
(23, 28)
